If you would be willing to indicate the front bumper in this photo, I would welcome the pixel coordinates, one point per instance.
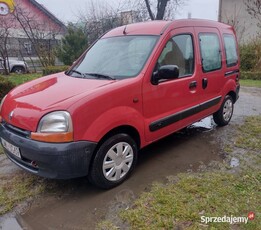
(50, 160)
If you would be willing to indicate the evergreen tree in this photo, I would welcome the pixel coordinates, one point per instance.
(73, 45)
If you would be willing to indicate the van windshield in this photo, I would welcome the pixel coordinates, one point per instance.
(115, 57)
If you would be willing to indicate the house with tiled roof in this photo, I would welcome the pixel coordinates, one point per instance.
(28, 20)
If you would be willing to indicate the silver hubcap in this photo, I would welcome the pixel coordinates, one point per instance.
(228, 109)
(117, 161)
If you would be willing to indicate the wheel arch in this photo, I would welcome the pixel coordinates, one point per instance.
(233, 95)
(230, 88)
(127, 129)
(17, 66)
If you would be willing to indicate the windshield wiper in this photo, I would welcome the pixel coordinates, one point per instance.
(98, 75)
(82, 75)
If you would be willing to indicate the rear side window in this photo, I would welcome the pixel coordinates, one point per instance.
(210, 51)
(231, 50)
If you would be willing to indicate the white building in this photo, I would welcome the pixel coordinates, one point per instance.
(234, 12)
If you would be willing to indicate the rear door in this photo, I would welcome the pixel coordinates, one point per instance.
(211, 73)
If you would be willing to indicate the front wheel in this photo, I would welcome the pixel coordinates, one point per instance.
(224, 114)
(114, 161)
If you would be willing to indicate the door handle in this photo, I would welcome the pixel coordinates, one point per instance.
(204, 83)
(192, 84)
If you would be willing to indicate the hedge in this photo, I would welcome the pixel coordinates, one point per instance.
(250, 55)
(5, 86)
(247, 75)
(54, 69)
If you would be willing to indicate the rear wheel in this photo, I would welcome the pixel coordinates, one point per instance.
(223, 116)
(114, 161)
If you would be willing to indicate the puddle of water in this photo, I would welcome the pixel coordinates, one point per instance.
(10, 224)
(234, 162)
(204, 125)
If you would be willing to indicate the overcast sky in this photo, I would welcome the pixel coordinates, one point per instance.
(67, 10)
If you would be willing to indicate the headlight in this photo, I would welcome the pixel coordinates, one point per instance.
(54, 127)
(55, 122)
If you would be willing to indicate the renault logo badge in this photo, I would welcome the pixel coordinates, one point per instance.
(11, 115)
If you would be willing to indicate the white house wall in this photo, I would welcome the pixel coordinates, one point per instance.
(234, 12)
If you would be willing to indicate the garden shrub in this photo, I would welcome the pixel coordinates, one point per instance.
(250, 56)
(249, 75)
(5, 86)
(54, 69)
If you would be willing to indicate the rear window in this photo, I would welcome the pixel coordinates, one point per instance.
(231, 50)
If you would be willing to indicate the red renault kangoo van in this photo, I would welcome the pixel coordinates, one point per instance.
(138, 83)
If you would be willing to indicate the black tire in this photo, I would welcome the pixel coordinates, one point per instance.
(18, 69)
(223, 116)
(120, 167)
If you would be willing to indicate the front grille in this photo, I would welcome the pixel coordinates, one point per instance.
(18, 131)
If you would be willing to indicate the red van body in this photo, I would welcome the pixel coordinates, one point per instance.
(162, 76)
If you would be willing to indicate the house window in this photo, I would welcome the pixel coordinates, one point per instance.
(28, 47)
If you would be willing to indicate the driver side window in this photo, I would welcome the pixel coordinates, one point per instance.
(179, 51)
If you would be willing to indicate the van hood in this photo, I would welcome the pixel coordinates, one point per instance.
(30, 101)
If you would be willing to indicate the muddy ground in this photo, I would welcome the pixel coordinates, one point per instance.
(75, 204)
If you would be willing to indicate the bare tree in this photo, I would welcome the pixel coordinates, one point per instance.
(6, 25)
(97, 18)
(155, 9)
(254, 9)
(40, 35)
(162, 9)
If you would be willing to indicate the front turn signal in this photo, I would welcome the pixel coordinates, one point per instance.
(52, 137)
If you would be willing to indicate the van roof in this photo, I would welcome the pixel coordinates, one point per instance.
(159, 27)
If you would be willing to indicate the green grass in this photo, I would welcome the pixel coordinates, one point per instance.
(209, 194)
(251, 83)
(17, 188)
(180, 203)
(18, 79)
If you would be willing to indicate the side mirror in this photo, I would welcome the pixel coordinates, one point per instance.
(167, 72)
